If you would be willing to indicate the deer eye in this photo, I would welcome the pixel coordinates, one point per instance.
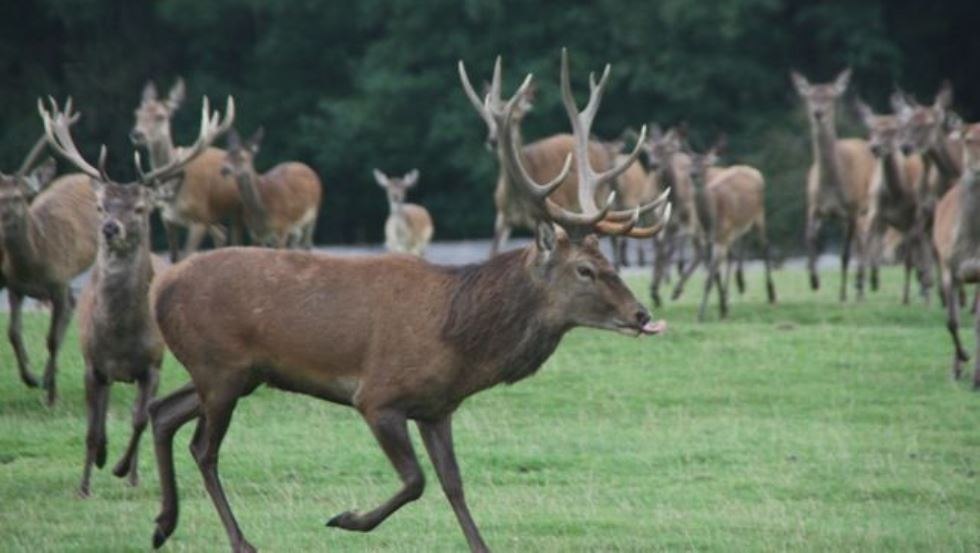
(139, 209)
(585, 272)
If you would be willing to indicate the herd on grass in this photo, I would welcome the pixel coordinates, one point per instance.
(400, 339)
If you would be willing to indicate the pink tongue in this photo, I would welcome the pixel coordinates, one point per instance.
(653, 328)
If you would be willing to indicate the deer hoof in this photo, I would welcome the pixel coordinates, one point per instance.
(122, 468)
(348, 520)
(814, 282)
(29, 380)
(162, 532)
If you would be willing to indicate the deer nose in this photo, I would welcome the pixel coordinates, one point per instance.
(111, 229)
(818, 113)
(135, 136)
(906, 149)
(642, 317)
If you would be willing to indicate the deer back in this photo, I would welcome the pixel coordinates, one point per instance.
(291, 193)
(737, 194)
(206, 196)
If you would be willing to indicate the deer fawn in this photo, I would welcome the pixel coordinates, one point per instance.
(119, 339)
(282, 204)
(956, 236)
(408, 228)
(413, 339)
(200, 198)
(838, 181)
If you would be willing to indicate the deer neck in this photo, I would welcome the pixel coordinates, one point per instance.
(122, 280)
(824, 140)
(161, 150)
(248, 185)
(943, 160)
(20, 235)
(969, 227)
(702, 204)
(892, 174)
(396, 209)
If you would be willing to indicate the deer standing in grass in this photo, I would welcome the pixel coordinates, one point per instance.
(956, 236)
(394, 337)
(200, 199)
(838, 181)
(924, 131)
(894, 198)
(408, 228)
(633, 188)
(280, 205)
(119, 339)
(46, 244)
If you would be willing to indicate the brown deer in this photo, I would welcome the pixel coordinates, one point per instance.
(240, 318)
(282, 204)
(46, 244)
(200, 198)
(119, 339)
(633, 188)
(956, 236)
(838, 180)
(894, 198)
(543, 158)
(924, 131)
(408, 228)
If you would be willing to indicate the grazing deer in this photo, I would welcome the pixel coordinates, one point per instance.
(119, 339)
(894, 200)
(409, 226)
(282, 204)
(543, 158)
(46, 244)
(200, 199)
(956, 236)
(458, 330)
(838, 181)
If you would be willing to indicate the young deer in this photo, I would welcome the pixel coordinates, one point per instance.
(239, 318)
(282, 204)
(894, 200)
(956, 236)
(200, 199)
(119, 339)
(46, 244)
(838, 181)
(409, 226)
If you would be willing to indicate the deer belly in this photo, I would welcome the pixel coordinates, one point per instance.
(338, 389)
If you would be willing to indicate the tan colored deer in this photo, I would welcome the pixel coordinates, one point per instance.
(633, 188)
(894, 198)
(200, 199)
(408, 228)
(923, 131)
(838, 181)
(543, 158)
(119, 339)
(956, 236)
(282, 204)
(414, 340)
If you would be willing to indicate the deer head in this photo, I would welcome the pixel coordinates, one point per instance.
(701, 163)
(922, 127)
(969, 135)
(153, 115)
(397, 187)
(883, 130)
(240, 160)
(820, 99)
(492, 103)
(661, 147)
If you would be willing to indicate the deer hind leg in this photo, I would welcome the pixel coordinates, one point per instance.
(501, 232)
(660, 265)
(699, 256)
(953, 325)
(219, 235)
(391, 430)
(14, 333)
(62, 306)
(438, 439)
(739, 274)
(712, 262)
(195, 235)
(171, 229)
(906, 290)
(96, 403)
(146, 389)
(167, 415)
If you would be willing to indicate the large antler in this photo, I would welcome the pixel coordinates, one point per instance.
(57, 133)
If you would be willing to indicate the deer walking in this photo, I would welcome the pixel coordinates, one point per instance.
(282, 204)
(838, 180)
(408, 228)
(414, 340)
(200, 199)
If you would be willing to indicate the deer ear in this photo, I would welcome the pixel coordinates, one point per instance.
(255, 141)
(234, 139)
(800, 83)
(177, 93)
(149, 91)
(546, 240)
(381, 178)
(898, 103)
(954, 125)
(865, 112)
(944, 98)
(45, 172)
(842, 80)
(411, 178)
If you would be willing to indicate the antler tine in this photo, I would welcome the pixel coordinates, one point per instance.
(58, 136)
(212, 126)
(103, 154)
(611, 174)
(629, 229)
(495, 81)
(625, 215)
(32, 155)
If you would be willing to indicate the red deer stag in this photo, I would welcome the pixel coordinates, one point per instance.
(200, 198)
(119, 339)
(837, 183)
(956, 236)
(459, 330)
(282, 204)
(409, 226)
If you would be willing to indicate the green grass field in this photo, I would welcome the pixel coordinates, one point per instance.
(808, 426)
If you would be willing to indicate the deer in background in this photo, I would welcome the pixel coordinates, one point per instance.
(838, 180)
(633, 188)
(458, 330)
(408, 228)
(894, 200)
(956, 236)
(46, 244)
(924, 131)
(119, 339)
(282, 204)
(200, 198)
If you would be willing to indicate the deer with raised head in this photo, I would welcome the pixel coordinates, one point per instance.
(838, 180)
(956, 236)
(46, 244)
(119, 339)
(924, 131)
(894, 198)
(199, 198)
(280, 205)
(543, 158)
(408, 228)
(414, 339)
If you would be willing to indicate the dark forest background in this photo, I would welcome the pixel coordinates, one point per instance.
(347, 86)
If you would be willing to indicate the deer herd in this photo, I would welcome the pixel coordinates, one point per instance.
(415, 338)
